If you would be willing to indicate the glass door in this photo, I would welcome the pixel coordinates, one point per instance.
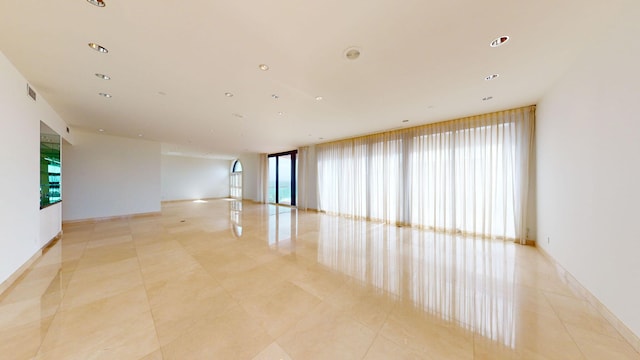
(282, 178)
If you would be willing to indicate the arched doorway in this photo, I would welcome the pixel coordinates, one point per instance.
(235, 180)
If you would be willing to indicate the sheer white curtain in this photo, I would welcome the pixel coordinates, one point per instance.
(466, 176)
(303, 178)
(263, 179)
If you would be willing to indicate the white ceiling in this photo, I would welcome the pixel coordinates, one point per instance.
(171, 63)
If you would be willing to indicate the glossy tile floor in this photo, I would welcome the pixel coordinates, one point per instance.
(226, 280)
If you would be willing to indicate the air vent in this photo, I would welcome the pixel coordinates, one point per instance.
(31, 92)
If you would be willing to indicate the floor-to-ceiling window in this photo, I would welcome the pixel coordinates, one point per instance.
(282, 178)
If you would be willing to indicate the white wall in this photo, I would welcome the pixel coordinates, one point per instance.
(106, 176)
(50, 223)
(588, 166)
(186, 178)
(250, 175)
(20, 216)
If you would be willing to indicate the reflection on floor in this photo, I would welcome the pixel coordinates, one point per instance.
(226, 280)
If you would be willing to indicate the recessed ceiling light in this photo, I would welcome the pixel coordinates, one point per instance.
(103, 76)
(105, 95)
(491, 77)
(280, 113)
(352, 53)
(98, 48)
(276, 97)
(139, 135)
(101, 130)
(228, 94)
(319, 98)
(405, 121)
(499, 41)
(263, 67)
(98, 3)
(487, 98)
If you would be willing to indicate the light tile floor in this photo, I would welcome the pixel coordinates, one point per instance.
(226, 280)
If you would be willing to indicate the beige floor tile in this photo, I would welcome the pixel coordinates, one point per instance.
(230, 335)
(488, 349)
(179, 304)
(156, 355)
(327, 333)
(103, 281)
(384, 349)
(131, 338)
(369, 305)
(90, 318)
(427, 333)
(107, 254)
(595, 346)
(279, 308)
(294, 285)
(272, 352)
(544, 336)
(580, 313)
(256, 281)
(27, 311)
(319, 282)
(23, 341)
(114, 240)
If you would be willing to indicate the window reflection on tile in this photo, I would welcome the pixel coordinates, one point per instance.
(283, 228)
(235, 215)
(462, 279)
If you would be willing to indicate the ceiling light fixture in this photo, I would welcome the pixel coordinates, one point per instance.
(263, 67)
(105, 95)
(98, 3)
(491, 77)
(238, 115)
(499, 41)
(139, 135)
(103, 76)
(405, 121)
(101, 130)
(98, 48)
(228, 94)
(276, 97)
(487, 98)
(319, 98)
(352, 53)
(280, 113)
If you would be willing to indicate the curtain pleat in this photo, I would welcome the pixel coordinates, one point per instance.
(263, 179)
(303, 178)
(468, 176)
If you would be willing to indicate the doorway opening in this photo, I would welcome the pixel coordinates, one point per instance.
(235, 180)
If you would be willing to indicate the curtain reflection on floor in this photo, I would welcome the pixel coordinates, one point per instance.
(466, 280)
